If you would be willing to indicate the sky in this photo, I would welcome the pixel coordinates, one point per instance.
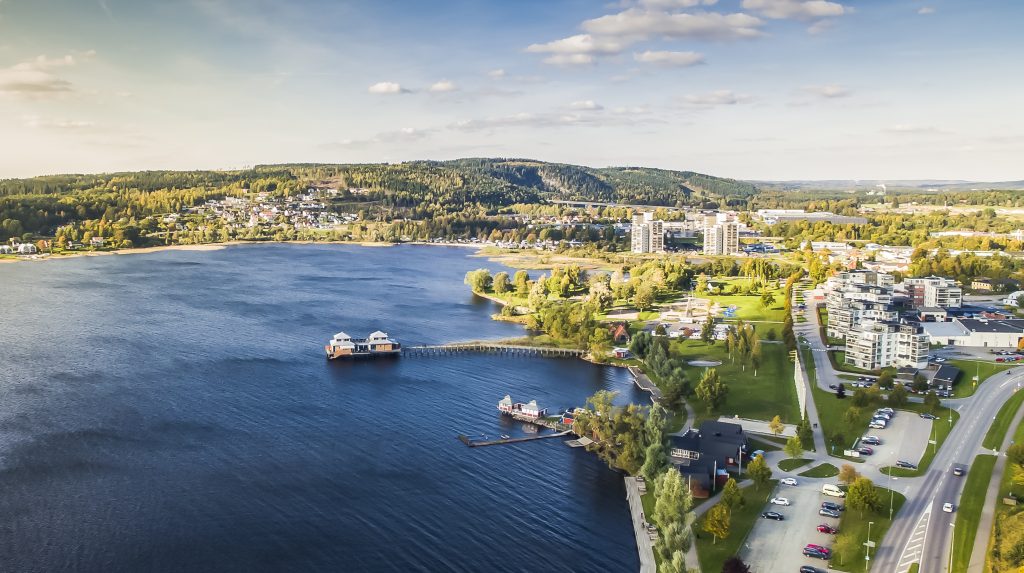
(751, 89)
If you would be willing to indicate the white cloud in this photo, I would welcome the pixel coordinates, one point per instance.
(674, 4)
(586, 105)
(576, 50)
(36, 122)
(387, 88)
(829, 91)
(497, 73)
(795, 9)
(925, 10)
(716, 98)
(36, 78)
(443, 86)
(911, 129)
(403, 135)
(636, 24)
(666, 58)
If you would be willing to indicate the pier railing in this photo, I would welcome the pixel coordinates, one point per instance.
(493, 348)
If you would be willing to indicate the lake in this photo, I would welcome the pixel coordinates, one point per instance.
(174, 411)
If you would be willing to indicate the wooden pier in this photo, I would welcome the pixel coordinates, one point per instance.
(493, 348)
(481, 443)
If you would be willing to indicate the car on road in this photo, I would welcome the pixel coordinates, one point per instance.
(832, 505)
(928, 416)
(887, 410)
(871, 440)
(959, 469)
(905, 465)
(809, 569)
(865, 451)
(772, 515)
(779, 501)
(828, 513)
(947, 507)
(940, 359)
(788, 481)
(826, 528)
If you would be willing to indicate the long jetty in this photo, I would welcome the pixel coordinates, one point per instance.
(481, 443)
(493, 348)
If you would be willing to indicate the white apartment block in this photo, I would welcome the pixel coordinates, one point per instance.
(873, 345)
(934, 292)
(854, 297)
(721, 235)
(647, 234)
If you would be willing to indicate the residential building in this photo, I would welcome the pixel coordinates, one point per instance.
(983, 284)
(27, 249)
(721, 235)
(873, 345)
(852, 297)
(773, 216)
(6, 250)
(705, 456)
(934, 291)
(647, 234)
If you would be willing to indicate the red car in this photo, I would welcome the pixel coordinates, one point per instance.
(1000, 359)
(823, 528)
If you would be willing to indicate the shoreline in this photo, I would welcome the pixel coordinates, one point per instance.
(217, 247)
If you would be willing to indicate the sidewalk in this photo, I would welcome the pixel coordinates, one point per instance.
(643, 542)
(988, 510)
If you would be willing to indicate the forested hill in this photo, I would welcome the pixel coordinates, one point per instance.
(415, 190)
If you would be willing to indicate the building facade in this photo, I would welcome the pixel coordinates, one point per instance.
(647, 234)
(853, 297)
(873, 345)
(934, 291)
(721, 235)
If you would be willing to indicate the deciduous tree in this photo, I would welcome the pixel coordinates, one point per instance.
(731, 495)
(711, 390)
(793, 447)
(717, 521)
(862, 495)
(759, 471)
(735, 565)
(848, 474)
(776, 426)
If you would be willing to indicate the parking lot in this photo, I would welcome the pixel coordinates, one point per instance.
(775, 546)
(905, 438)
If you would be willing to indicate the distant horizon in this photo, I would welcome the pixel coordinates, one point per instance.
(757, 90)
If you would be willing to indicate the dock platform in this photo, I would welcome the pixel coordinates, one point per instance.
(493, 348)
(481, 443)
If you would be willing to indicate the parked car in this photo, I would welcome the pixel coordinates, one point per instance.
(826, 528)
(959, 469)
(779, 501)
(833, 386)
(772, 515)
(828, 513)
(788, 481)
(928, 416)
(871, 440)
(865, 451)
(940, 359)
(809, 569)
(906, 465)
(833, 490)
(947, 507)
(817, 553)
(877, 425)
(832, 505)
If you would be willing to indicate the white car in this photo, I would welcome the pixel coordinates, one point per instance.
(779, 501)
(788, 481)
(876, 425)
(947, 507)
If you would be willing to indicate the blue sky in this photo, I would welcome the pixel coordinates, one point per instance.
(756, 89)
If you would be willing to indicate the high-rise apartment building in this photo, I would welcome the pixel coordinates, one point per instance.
(935, 292)
(721, 235)
(873, 345)
(647, 234)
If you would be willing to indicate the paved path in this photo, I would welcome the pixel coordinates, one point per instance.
(643, 542)
(645, 383)
(988, 510)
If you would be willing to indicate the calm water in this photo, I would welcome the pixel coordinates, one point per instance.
(174, 412)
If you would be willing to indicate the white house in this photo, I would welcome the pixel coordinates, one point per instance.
(6, 250)
(27, 249)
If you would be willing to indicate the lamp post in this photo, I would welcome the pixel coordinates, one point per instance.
(952, 536)
(891, 493)
(867, 548)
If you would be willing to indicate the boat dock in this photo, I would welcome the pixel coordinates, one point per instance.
(644, 383)
(493, 348)
(481, 443)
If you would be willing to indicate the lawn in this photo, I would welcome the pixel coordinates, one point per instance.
(760, 397)
(822, 471)
(748, 307)
(855, 523)
(711, 554)
(940, 429)
(838, 358)
(968, 514)
(793, 463)
(839, 434)
(1001, 424)
(983, 369)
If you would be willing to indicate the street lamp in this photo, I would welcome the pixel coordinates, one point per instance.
(952, 536)
(867, 548)
(891, 494)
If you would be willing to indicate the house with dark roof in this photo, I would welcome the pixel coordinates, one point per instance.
(704, 456)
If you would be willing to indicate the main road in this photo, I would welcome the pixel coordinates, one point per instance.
(922, 533)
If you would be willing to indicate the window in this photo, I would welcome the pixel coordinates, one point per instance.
(685, 454)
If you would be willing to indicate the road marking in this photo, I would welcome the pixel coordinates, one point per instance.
(914, 549)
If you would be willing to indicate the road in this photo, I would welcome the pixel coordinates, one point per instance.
(922, 531)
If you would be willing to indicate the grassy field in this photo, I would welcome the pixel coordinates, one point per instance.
(968, 514)
(761, 397)
(983, 369)
(821, 471)
(941, 429)
(838, 358)
(748, 307)
(855, 523)
(793, 463)
(1001, 425)
(830, 413)
(711, 554)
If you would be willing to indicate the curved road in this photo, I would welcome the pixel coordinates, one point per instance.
(922, 532)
